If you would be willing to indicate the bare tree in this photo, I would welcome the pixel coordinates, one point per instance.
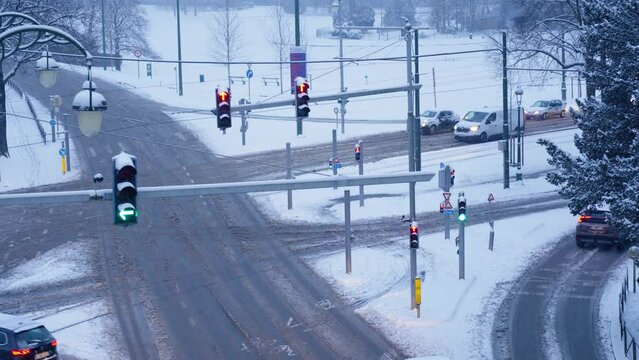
(58, 13)
(280, 35)
(126, 26)
(226, 38)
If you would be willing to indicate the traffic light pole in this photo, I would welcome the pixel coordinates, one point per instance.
(361, 171)
(418, 133)
(410, 124)
(447, 221)
(347, 230)
(462, 250)
(342, 102)
(289, 175)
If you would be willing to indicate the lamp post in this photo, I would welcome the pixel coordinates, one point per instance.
(519, 93)
(337, 6)
(89, 104)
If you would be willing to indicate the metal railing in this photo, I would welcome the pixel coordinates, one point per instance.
(13, 85)
(625, 333)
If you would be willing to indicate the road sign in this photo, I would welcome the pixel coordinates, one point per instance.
(62, 152)
(57, 100)
(491, 197)
(137, 53)
(249, 73)
(52, 122)
(449, 211)
(447, 204)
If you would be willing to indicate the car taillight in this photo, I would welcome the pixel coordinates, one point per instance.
(21, 352)
(54, 343)
(583, 217)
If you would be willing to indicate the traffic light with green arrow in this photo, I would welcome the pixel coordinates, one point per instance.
(124, 189)
(461, 209)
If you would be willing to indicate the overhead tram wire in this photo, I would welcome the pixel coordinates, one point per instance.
(142, 123)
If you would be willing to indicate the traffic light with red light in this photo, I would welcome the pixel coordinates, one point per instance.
(302, 98)
(358, 152)
(223, 108)
(441, 208)
(414, 235)
(124, 189)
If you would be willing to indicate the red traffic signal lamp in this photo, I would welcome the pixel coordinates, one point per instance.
(441, 208)
(223, 108)
(302, 98)
(358, 152)
(414, 235)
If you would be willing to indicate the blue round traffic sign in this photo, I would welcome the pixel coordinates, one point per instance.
(52, 122)
(62, 152)
(249, 73)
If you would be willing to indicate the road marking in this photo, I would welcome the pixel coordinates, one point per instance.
(108, 149)
(93, 154)
(188, 174)
(290, 323)
(177, 287)
(324, 304)
(121, 146)
(192, 321)
(180, 136)
(192, 182)
(183, 304)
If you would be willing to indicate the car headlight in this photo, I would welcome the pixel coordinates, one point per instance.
(455, 127)
(537, 112)
(474, 128)
(424, 124)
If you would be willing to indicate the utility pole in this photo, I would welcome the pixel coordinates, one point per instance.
(297, 23)
(418, 133)
(563, 67)
(347, 229)
(410, 124)
(289, 174)
(179, 40)
(506, 136)
(342, 101)
(103, 35)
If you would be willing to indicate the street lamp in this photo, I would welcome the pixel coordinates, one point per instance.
(89, 104)
(337, 8)
(519, 93)
(46, 67)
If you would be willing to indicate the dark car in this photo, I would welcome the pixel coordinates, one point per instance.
(25, 339)
(593, 227)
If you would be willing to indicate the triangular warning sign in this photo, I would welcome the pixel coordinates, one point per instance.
(491, 197)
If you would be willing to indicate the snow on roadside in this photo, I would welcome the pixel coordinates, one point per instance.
(456, 315)
(84, 330)
(609, 312)
(31, 162)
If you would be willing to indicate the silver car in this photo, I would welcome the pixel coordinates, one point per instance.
(545, 109)
(433, 121)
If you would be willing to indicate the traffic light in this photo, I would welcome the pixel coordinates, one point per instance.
(414, 235)
(358, 152)
(301, 98)
(124, 189)
(223, 108)
(441, 208)
(452, 177)
(461, 209)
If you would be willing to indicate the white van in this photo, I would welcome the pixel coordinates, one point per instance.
(483, 125)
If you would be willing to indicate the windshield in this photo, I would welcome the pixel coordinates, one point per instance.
(540, 103)
(474, 116)
(37, 335)
(429, 114)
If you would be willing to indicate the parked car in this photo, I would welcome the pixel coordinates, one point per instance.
(433, 121)
(593, 227)
(545, 109)
(25, 339)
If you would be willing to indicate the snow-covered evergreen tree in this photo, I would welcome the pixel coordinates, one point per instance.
(396, 10)
(607, 168)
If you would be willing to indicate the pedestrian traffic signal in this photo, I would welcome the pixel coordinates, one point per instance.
(461, 209)
(358, 152)
(414, 235)
(452, 177)
(301, 98)
(124, 189)
(223, 108)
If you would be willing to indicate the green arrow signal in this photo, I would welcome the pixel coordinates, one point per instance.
(124, 213)
(462, 217)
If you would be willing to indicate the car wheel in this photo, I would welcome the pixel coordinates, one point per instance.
(432, 129)
(483, 137)
(580, 243)
(562, 113)
(544, 116)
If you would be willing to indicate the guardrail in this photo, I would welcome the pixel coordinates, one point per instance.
(625, 333)
(13, 85)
